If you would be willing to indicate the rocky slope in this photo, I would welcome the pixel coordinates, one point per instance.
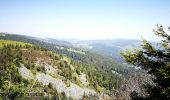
(31, 69)
(73, 90)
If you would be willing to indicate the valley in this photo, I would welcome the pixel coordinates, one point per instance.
(71, 71)
(84, 50)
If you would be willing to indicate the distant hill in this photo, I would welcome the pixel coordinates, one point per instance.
(54, 41)
(90, 58)
(108, 47)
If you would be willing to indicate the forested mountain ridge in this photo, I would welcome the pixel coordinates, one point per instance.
(111, 48)
(27, 69)
(57, 42)
(104, 74)
(89, 58)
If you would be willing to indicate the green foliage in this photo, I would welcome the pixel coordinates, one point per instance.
(13, 43)
(78, 71)
(99, 89)
(96, 67)
(50, 85)
(63, 96)
(156, 60)
(12, 85)
(33, 67)
(91, 59)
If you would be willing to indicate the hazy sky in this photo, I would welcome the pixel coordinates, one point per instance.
(84, 19)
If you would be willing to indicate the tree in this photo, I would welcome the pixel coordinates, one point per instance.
(156, 61)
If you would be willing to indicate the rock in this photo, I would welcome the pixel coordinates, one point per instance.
(73, 91)
(83, 79)
(25, 73)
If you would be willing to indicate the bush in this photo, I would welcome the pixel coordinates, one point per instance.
(78, 71)
(50, 85)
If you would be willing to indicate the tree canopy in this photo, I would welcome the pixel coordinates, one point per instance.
(156, 61)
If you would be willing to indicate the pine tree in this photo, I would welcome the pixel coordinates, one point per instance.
(156, 61)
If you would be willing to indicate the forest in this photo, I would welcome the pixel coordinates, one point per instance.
(145, 76)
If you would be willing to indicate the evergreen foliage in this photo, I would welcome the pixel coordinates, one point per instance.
(13, 86)
(156, 60)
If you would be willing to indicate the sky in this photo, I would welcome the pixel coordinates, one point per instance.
(84, 19)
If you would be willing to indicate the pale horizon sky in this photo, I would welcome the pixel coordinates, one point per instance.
(84, 19)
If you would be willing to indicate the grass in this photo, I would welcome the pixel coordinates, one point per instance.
(71, 50)
(76, 51)
(7, 42)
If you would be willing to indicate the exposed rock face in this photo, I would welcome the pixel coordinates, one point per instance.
(83, 79)
(74, 91)
(25, 73)
(48, 68)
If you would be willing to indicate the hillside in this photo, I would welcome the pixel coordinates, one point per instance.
(77, 71)
(89, 58)
(27, 69)
(111, 48)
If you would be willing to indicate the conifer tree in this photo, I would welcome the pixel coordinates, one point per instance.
(156, 61)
